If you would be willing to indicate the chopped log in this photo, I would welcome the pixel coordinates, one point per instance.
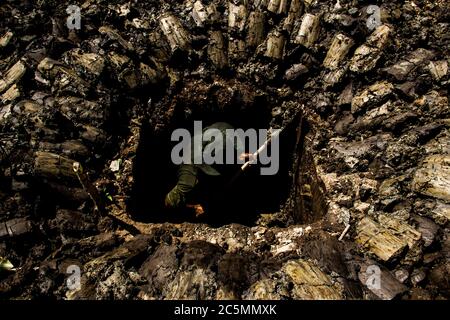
(89, 62)
(69, 148)
(339, 48)
(237, 17)
(441, 212)
(275, 45)
(11, 94)
(386, 239)
(367, 55)
(217, 50)
(114, 35)
(256, 29)
(118, 61)
(278, 6)
(147, 75)
(401, 229)
(54, 167)
(309, 30)
(177, 36)
(373, 117)
(295, 11)
(310, 282)
(433, 178)
(65, 79)
(5, 39)
(12, 76)
(15, 227)
(199, 13)
(82, 111)
(203, 15)
(236, 49)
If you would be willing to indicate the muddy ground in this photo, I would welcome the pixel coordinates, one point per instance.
(360, 207)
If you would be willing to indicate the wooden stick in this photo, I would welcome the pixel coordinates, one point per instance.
(261, 149)
(344, 232)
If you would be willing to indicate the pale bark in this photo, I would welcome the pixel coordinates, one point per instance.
(255, 33)
(339, 48)
(309, 30)
(177, 36)
(275, 45)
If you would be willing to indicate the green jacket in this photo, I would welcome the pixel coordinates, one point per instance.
(188, 173)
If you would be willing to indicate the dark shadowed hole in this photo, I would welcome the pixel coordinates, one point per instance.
(228, 199)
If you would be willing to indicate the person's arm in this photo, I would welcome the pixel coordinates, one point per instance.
(187, 180)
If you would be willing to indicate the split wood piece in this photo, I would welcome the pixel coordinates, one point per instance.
(203, 15)
(89, 62)
(114, 35)
(339, 48)
(15, 227)
(367, 55)
(256, 29)
(12, 76)
(295, 71)
(11, 94)
(310, 282)
(433, 178)
(236, 49)
(64, 78)
(386, 239)
(237, 17)
(309, 30)
(5, 39)
(295, 11)
(278, 6)
(438, 69)
(177, 36)
(275, 45)
(217, 50)
(335, 76)
(54, 167)
(69, 148)
(374, 95)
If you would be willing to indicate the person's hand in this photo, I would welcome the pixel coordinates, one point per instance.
(247, 157)
(198, 209)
